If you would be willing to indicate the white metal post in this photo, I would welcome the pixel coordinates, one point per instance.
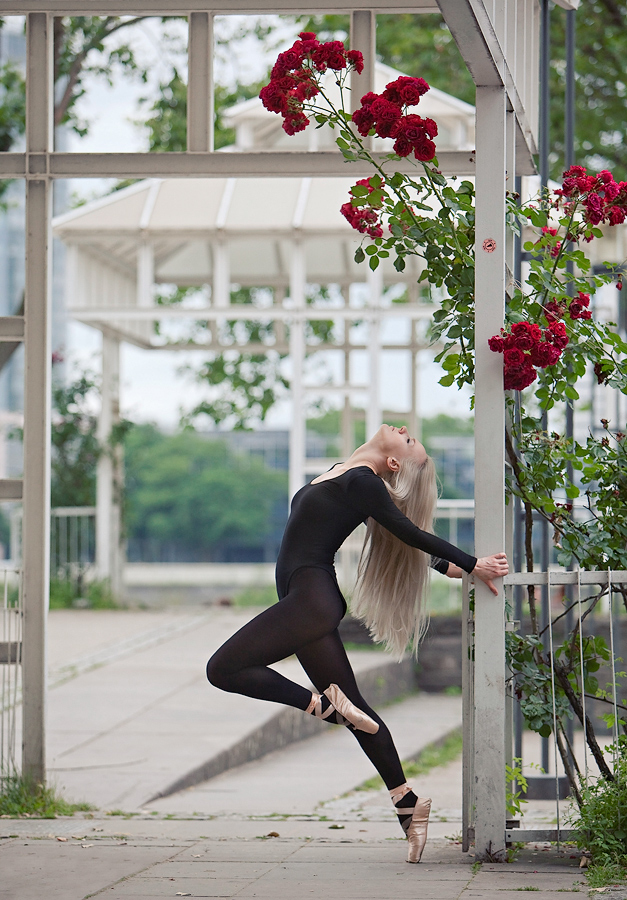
(109, 472)
(37, 309)
(200, 99)
(373, 413)
(490, 252)
(363, 38)
(297, 356)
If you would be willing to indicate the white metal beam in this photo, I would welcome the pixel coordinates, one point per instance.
(108, 486)
(478, 44)
(298, 277)
(254, 164)
(363, 38)
(200, 95)
(184, 7)
(373, 413)
(490, 249)
(37, 311)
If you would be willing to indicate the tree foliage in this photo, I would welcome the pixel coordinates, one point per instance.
(75, 447)
(196, 491)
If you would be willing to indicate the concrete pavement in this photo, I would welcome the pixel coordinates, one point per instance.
(295, 859)
(288, 825)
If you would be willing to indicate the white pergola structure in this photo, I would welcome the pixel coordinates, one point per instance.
(499, 42)
(282, 233)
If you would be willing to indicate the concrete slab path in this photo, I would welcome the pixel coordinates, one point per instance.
(130, 709)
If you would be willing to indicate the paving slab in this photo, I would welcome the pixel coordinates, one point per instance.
(122, 731)
(299, 777)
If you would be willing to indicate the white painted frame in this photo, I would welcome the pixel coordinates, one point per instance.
(499, 42)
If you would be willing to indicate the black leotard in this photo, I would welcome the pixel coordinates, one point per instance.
(306, 620)
(324, 514)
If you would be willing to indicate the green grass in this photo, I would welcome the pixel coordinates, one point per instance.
(94, 595)
(433, 755)
(256, 596)
(602, 874)
(20, 798)
(528, 888)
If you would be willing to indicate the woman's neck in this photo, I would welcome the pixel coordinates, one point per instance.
(365, 456)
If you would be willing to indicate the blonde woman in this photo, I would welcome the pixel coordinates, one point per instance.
(389, 482)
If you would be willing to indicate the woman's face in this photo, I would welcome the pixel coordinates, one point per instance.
(397, 442)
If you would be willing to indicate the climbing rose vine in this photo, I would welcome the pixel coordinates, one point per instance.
(550, 339)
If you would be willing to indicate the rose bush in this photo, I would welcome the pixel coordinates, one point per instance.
(550, 338)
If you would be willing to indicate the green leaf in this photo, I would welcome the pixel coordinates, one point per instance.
(359, 255)
(374, 263)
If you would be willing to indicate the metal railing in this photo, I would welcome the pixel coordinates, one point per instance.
(72, 540)
(10, 668)
(579, 608)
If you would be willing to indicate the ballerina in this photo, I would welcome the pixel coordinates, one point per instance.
(390, 483)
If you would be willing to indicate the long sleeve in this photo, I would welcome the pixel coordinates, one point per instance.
(368, 494)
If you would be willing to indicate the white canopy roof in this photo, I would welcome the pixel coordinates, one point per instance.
(219, 231)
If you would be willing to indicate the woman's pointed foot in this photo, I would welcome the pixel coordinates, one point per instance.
(413, 813)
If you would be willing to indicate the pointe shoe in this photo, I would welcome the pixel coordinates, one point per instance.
(354, 716)
(416, 827)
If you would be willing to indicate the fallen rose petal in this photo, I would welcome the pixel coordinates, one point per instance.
(62, 839)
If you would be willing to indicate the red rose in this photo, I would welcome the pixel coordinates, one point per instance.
(518, 380)
(616, 215)
(306, 90)
(386, 115)
(526, 334)
(369, 98)
(294, 122)
(584, 299)
(356, 60)
(331, 55)
(556, 334)
(496, 344)
(402, 146)
(364, 120)
(425, 151)
(594, 209)
(274, 98)
(406, 91)
(553, 311)
(575, 309)
(514, 358)
(544, 354)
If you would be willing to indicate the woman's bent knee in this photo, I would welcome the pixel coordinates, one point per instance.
(216, 673)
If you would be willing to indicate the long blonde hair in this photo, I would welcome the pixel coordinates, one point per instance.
(392, 577)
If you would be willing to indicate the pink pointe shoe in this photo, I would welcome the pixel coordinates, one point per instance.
(415, 827)
(340, 704)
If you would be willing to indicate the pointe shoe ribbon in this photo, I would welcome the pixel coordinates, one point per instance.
(358, 719)
(416, 827)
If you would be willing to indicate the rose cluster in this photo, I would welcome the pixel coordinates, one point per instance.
(294, 77)
(363, 218)
(525, 347)
(387, 114)
(604, 200)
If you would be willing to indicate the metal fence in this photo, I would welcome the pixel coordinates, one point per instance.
(10, 668)
(574, 610)
(72, 541)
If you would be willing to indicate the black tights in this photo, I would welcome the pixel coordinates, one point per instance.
(304, 622)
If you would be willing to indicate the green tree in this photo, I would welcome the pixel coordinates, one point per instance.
(167, 123)
(75, 447)
(197, 492)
